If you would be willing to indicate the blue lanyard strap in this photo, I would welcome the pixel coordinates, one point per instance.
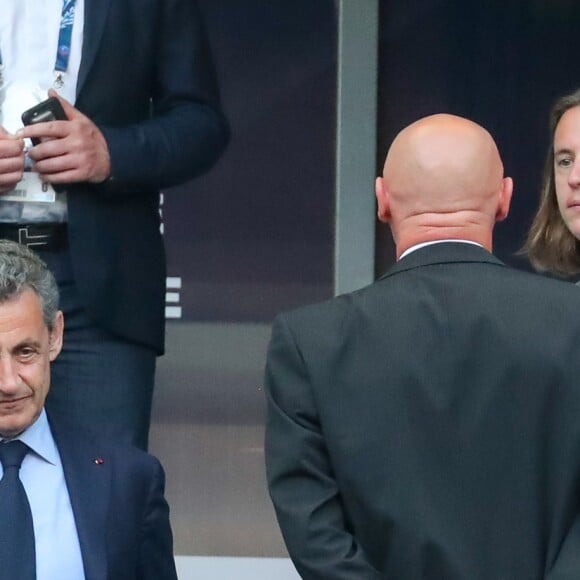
(67, 19)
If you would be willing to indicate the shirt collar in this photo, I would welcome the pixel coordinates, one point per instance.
(39, 438)
(431, 243)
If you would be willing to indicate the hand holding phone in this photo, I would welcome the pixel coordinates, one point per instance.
(48, 110)
(71, 152)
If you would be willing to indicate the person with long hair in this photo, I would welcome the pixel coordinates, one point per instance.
(553, 241)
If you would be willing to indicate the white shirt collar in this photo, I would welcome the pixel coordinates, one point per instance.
(431, 243)
(39, 438)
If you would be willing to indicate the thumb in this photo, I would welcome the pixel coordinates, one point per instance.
(69, 110)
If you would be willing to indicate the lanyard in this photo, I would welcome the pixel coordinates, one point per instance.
(67, 19)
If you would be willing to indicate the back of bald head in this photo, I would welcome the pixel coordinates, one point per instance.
(445, 168)
(443, 162)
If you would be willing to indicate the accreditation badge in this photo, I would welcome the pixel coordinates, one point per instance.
(17, 97)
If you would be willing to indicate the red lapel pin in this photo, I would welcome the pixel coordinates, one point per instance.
(99, 461)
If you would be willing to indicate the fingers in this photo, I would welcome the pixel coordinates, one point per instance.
(11, 160)
(85, 165)
(71, 160)
(47, 130)
(67, 167)
(55, 129)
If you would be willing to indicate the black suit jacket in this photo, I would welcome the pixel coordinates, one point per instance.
(120, 512)
(428, 426)
(146, 80)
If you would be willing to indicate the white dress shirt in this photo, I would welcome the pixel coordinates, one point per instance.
(58, 553)
(29, 31)
(424, 244)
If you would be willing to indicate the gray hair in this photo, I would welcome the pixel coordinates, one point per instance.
(22, 269)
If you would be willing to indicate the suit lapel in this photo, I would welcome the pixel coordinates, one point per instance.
(95, 17)
(88, 477)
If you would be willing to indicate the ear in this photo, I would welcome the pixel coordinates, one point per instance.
(383, 205)
(55, 345)
(505, 197)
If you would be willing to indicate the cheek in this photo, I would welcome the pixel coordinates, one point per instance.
(37, 377)
(561, 186)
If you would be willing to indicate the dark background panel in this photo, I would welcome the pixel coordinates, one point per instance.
(251, 238)
(501, 63)
(255, 236)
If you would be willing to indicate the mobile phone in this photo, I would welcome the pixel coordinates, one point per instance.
(49, 110)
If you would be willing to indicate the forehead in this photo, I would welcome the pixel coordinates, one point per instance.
(568, 128)
(21, 317)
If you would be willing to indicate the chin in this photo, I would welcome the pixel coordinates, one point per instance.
(12, 428)
(11, 432)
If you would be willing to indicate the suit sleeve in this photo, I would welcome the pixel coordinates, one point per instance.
(156, 560)
(186, 132)
(302, 485)
(567, 563)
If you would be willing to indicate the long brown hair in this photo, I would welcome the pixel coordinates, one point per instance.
(550, 245)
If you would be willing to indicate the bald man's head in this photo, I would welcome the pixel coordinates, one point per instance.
(443, 178)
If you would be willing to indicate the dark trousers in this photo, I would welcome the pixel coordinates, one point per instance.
(98, 380)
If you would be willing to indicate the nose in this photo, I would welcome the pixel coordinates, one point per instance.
(9, 381)
(574, 175)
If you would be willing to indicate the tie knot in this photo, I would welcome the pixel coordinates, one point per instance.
(12, 453)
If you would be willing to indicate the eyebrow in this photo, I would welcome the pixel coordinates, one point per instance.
(27, 343)
(563, 151)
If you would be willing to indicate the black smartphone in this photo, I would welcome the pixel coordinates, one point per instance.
(49, 110)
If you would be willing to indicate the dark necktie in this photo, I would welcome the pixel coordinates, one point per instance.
(17, 554)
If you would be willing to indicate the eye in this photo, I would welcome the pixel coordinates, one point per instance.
(564, 162)
(26, 354)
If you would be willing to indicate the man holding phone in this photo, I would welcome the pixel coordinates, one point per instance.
(136, 84)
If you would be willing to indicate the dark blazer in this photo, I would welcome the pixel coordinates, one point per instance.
(121, 515)
(146, 80)
(428, 426)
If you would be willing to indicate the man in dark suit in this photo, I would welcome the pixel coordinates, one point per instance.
(97, 506)
(146, 116)
(427, 426)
